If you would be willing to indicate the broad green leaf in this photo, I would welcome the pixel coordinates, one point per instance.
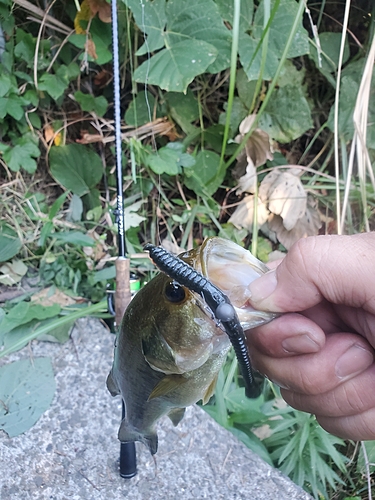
(226, 9)
(287, 115)
(350, 81)
(199, 20)
(151, 19)
(330, 50)
(76, 167)
(25, 47)
(22, 155)
(27, 389)
(194, 36)
(45, 233)
(183, 109)
(280, 28)
(90, 103)
(106, 274)
(141, 109)
(245, 88)
(100, 35)
(238, 113)
(164, 161)
(75, 209)
(251, 57)
(57, 204)
(132, 219)
(75, 238)
(10, 244)
(205, 178)
(12, 106)
(5, 83)
(55, 84)
(175, 67)
(24, 312)
(59, 334)
(169, 159)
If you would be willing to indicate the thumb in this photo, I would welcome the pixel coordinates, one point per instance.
(339, 269)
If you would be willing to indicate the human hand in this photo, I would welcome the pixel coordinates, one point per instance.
(321, 352)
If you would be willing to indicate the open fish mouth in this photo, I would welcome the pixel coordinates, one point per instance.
(216, 264)
(231, 268)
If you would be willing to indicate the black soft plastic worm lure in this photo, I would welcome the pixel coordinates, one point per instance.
(217, 301)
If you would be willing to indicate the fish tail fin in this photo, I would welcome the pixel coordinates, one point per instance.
(127, 433)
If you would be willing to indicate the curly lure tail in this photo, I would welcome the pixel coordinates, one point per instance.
(217, 301)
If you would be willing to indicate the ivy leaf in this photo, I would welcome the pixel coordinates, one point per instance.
(204, 178)
(90, 103)
(76, 167)
(54, 85)
(12, 106)
(27, 389)
(164, 162)
(22, 154)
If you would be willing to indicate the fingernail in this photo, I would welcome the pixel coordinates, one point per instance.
(262, 287)
(355, 360)
(300, 344)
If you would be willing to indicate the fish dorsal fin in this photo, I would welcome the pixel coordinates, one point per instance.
(176, 415)
(210, 390)
(167, 384)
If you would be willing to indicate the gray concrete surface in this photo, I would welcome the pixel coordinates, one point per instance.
(72, 451)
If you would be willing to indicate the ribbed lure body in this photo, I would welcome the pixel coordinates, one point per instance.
(217, 301)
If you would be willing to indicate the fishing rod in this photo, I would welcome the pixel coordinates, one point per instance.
(128, 460)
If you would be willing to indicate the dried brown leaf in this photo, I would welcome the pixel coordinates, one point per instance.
(91, 49)
(307, 225)
(258, 147)
(52, 295)
(285, 194)
(102, 8)
(247, 183)
(243, 216)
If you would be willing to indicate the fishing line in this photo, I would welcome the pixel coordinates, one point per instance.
(149, 114)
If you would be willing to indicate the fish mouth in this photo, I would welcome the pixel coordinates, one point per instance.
(231, 268)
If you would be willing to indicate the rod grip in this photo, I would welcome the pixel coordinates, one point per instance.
(122, 294)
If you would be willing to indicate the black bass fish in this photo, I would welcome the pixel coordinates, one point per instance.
(171, 347)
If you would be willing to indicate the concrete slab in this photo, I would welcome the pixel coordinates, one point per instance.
(72, 451)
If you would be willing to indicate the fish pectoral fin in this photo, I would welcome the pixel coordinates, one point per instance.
(112, 386)
(159, 354)
(210, 391)
(167, 384)
(176, 415)
(128, 434)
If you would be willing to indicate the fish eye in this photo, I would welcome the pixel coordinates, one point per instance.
(174, 292)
